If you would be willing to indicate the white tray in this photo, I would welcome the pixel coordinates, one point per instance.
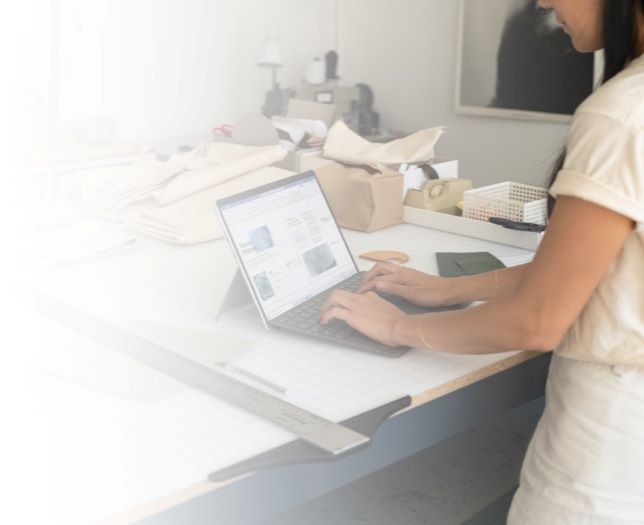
(472, 228)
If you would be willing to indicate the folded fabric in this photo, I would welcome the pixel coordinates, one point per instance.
(219, 163)
(344, 145)
(179, 176)
(214, 153)
(192, 219)
(116, 186)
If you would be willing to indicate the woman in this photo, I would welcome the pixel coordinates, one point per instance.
(583, 295)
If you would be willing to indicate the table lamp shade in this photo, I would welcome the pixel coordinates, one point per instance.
(270, 56)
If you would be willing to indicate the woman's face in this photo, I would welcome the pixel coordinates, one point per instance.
(581, 19)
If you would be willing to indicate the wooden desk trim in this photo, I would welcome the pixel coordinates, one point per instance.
(473, 377)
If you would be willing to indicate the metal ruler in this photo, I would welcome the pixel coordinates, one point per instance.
(330, 437)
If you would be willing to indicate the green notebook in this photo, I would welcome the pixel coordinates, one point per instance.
(469, 263)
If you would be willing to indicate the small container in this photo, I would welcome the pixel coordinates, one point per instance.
(315, 72)
(508, 200)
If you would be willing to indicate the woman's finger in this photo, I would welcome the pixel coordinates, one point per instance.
(336, 312)
(411, 293)
(380, 269)
(339, 298)
(370, 284)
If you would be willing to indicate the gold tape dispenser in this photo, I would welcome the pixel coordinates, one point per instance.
(441, 195)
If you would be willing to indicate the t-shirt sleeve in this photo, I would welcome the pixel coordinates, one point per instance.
(604, 165)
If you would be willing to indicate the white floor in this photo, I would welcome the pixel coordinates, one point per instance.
(469, 479)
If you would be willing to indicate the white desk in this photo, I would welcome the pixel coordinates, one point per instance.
(145, 454)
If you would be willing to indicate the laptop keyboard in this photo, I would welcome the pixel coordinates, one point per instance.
(307, 315)
(305, 318)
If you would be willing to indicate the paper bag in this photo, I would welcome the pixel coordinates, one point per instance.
(363, 197)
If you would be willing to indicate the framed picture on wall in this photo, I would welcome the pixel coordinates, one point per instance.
(516, 61)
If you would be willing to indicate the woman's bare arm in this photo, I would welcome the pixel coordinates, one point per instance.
(486, 286)
(582, 241)
(430, 290)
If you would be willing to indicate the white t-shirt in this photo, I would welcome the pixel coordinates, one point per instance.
(605, 165)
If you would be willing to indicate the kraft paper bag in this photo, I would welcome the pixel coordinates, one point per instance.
(363, 198)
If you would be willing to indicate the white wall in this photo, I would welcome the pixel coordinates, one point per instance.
(167, 71)
(406, 51)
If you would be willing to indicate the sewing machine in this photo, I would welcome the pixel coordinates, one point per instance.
(354, 104)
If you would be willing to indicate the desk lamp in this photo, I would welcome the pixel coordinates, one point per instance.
(271, 59)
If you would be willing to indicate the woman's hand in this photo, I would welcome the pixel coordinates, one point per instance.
(367, 313)
(417, 287)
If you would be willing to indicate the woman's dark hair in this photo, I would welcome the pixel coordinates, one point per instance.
(620, 39)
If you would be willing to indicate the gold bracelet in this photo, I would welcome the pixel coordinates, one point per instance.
(422, 337)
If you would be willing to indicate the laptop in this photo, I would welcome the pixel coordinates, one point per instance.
(292, 254)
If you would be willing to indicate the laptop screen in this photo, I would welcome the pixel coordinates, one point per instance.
(287, 241)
